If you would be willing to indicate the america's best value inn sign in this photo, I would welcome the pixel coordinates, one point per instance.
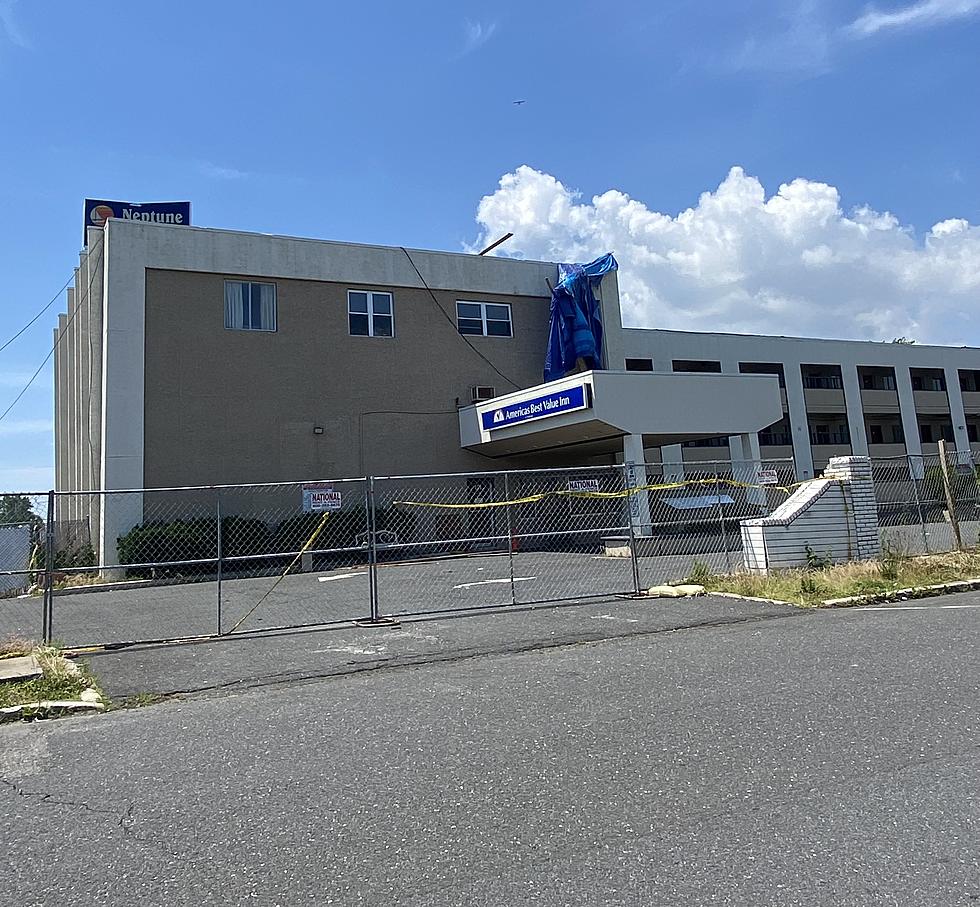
(566, 400)
(98, 211)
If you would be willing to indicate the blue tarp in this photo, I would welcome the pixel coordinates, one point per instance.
(576, 319)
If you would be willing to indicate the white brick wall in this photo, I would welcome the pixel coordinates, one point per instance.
(835, 516)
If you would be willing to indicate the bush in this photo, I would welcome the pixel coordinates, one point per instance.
(177, 540)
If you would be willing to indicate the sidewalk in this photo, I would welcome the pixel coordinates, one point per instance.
(238, 663)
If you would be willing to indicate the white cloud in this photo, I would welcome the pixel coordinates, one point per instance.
(915, 15)
(26, 478)
(216, 171)
(26, 427)
(476, 34)
(791, 263)
(9, 27)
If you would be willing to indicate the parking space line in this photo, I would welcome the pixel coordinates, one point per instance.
(487, 582)
(916, 607)
(328, 579)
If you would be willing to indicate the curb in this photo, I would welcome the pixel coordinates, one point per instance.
(914, 592)
(753, 598)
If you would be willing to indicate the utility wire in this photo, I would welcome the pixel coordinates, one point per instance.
(449, 318)
(54, 299)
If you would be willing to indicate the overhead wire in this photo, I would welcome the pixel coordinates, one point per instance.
(449, 318)
(53, 300)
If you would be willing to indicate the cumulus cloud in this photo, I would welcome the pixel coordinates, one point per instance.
(915, 15)
(791, 263)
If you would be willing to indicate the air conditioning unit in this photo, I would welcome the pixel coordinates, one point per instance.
(479, 393)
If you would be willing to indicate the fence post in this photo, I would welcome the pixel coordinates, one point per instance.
(721, 519)
(628, 478)
(217, 511)
(918, 506)
(47, 606)
(510, 538)
(372, 552)
(950, 500)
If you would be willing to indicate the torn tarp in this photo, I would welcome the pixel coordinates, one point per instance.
(576, 318)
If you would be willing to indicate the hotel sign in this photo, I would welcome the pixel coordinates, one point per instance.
(556, 403)
(98, 211)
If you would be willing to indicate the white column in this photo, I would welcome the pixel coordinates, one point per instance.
(955, 396)
(854, 408)
(910, 422)
(746, 458)
(799, 427)
(672, 457)
(636, 474)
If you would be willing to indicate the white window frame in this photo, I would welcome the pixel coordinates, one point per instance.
(371, 313)
(484, 319)
(275, 305)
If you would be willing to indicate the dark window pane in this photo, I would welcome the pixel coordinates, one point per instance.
(381, 303)
(357, 302)
(468, 310)
(382, 325)
(470, 326)
(498, 312)
(498, 328)
(639, 365)
(246, 311)
(358, 324)
(256, 312)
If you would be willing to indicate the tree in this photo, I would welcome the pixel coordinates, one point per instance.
(16, 508)
(905, 340)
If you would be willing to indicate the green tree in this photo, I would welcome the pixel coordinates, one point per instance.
(16, 508)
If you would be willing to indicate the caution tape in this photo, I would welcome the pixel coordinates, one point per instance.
(600, 495)
(292, 564)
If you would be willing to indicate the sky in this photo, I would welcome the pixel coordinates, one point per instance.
(769, 166)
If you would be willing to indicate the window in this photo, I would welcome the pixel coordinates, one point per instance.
(486, 319)
(370, 314)
(971, 432)
(696, 365)
(925, 433)
(250, 306)
(639, 365)
(877, 434)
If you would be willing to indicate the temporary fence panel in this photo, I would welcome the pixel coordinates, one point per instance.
(913, 507)
(693, 527)
(23, 525)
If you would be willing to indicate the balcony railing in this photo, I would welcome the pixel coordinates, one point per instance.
(775, 439)
(830, 437)
(823, 382)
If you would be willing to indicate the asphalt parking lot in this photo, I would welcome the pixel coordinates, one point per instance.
(151, 612)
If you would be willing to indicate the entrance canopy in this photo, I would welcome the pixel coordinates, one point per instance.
(597, 409)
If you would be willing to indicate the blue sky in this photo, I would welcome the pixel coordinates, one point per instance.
(389, 123)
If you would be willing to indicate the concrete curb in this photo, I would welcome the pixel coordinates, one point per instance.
(753, 598)
(48, 707)
(914, 592)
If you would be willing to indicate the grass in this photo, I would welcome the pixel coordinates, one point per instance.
(812, 587)
(62, 679)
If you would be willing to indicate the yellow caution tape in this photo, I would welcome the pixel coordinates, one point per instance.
(601, 495)
(292, 563)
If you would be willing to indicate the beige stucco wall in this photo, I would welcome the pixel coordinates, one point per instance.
(227, 406)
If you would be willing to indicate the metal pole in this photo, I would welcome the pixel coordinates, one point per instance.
(918, 506)
(721, 519)
(217, 510)
(510, 539)
(629, 480)
(47, 616)
(372, 552)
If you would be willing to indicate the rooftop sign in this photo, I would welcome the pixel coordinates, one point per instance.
(566, 400)
(98, 211)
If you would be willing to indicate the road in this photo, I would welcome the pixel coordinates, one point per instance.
(786, 758)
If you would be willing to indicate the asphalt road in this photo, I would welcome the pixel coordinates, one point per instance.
(456, 583)
(828, 758)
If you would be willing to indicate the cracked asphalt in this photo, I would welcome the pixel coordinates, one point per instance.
(831, 758)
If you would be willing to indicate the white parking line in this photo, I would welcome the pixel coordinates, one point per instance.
(328, 579)
(487, 582)
(629, 620)
(916, 607)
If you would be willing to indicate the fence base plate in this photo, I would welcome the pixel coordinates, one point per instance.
(380, 622)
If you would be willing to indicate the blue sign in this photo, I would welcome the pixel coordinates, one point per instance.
(98, 211)
(557, 402)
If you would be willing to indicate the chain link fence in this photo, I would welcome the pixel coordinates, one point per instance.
(921, 504)
(103, 568)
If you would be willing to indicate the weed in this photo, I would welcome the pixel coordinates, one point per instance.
(700, 573)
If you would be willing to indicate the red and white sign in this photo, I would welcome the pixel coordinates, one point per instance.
(768, 477)
(320, 497)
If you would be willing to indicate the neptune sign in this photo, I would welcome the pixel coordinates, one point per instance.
(555, 403)
(98, 211)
